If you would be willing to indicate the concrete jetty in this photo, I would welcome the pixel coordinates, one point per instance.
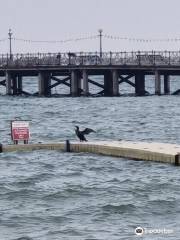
(148, 151)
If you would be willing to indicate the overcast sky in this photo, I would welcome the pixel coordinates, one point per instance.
(64, 19)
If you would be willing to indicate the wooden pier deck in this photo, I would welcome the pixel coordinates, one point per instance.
(147, 151)
(75, 71)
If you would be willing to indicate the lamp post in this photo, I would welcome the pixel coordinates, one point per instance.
(10, 45)
(100, 42)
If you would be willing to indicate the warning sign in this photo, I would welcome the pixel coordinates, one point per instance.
(20, 130)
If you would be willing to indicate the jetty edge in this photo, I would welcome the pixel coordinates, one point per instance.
(147, 151)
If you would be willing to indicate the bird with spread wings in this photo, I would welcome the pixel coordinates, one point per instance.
(80, 134)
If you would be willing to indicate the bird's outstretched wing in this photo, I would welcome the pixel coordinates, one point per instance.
(87, 131)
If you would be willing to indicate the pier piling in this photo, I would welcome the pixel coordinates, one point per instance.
(14, 85)
(140, 84)
(75, 83)
(85, 84)
(157, 83)
(44, 84)
(108, 84)
(166, 84)
(20, 86)
(115, 82)
(8, 83)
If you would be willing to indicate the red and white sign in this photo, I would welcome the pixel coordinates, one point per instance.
(20, 130)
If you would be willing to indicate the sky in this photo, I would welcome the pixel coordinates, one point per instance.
(56, 20)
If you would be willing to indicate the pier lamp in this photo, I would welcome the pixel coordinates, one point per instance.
(10, 45)
(100, 42)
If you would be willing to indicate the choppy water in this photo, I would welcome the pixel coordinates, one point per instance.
(50, 195)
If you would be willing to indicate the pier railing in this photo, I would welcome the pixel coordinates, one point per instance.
(139, 58)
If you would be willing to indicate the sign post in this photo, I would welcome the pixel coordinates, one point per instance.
(20, 131)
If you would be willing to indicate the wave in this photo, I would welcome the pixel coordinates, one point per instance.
(66, 193)
(35, 178)
(123, 208)
(20, 194)
(23, 238)
(163, 202)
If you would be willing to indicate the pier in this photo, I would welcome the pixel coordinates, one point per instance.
(76, 71)
(147, 151)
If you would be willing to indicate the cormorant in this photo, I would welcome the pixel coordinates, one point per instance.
(80, 134)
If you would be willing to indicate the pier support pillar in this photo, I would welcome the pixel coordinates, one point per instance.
(19, 84)
(166, 84)
(108, 84)
(85, 83)
(14, 85)
(8, 83)
(75, 84)
(157, 83)
(79, 80)
(115, 83)
(140, 84)
(44, 84)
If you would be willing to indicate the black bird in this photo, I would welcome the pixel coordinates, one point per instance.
(80, 134)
